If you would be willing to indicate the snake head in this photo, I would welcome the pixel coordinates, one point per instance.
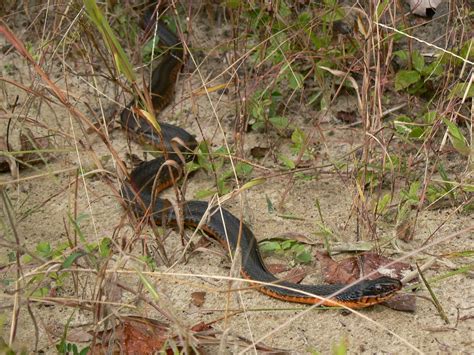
(381, 286)
(369, 292)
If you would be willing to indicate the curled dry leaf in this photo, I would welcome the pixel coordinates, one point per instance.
(133, 335)
(423, 7)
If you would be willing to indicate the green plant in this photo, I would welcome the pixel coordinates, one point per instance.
(215, 163)
(415, 128)
(293, 249)
(415, 78)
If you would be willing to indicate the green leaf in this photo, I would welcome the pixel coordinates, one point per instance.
(340, 349)
(457, 139)
(70, 259)
(121, 59)
(467, 50)
(296, 81)
(383, 203)
(417, 61)
(279, 122)
(287, 244)
(270, 207)
(290, 164)
(269, 246)
(243, 168)
(459, 90)
(233, 4)
(402, 125)
(429, 117)
(402, 54)
(25, 259)
(405, 78)
(434, 69)
(417, 132)
(41, 292)
(199, 195)
(298, 137)
(381, 7)
(104, 247)
(44, 249)
(303, 257)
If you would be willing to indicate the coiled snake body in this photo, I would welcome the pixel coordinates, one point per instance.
(151, 177)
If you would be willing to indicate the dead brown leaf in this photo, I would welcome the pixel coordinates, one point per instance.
(277, 268)
(133, 335)
(295, 275)
(337, 272)
(402, 302)
(351, 269)
(198, 298)
(259, 152)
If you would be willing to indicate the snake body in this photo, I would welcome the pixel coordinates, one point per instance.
(151, 177)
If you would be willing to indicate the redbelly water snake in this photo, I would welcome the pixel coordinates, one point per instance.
(151, 177)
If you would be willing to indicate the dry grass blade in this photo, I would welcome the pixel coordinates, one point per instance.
(435, 300)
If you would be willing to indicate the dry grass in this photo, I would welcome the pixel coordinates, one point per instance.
(267, 79)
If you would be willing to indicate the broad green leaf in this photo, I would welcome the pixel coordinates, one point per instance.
(405, 78)
(243, 168)
(296, 81)
(298, 137)
(44, 248)
(269, 246)
(434, 69)
(457, 139)
(429, 117)
(279, 122)
(287, 244)
(417, 132)
(417, 61)
(303, 257)
(402, 54)
(459, 90)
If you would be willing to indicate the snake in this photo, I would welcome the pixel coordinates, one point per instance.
(147, 180)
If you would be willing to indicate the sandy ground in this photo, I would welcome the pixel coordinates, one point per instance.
(45, 196)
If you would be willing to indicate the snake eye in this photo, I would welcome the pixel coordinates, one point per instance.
(378, 287)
